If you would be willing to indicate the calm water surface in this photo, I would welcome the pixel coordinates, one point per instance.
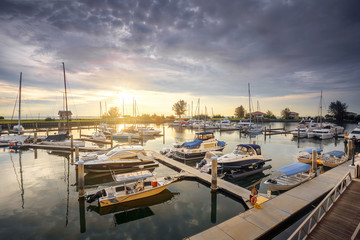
(40, 200)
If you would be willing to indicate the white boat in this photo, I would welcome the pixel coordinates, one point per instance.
(305, 156)
(131, 186)
(147, 131)
(333, 158)
(98, 136)
(246, 157)
(19, 129)
(61, 140)
(355, 134)
(327, 131)
(169, 152)
(223, 123)
(203, 143)
(119, 159)
(294, 175)
(300, 131)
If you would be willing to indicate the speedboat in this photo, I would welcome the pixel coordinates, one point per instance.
(203, 143)
(333, 158)
(305, 156)
(245, 158)
(294, 175)
(131, 186)
(119, 159)
(61, 140)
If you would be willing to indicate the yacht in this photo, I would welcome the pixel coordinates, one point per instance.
(355, 134)
(327, 131)
(196, 149)
(245, 157)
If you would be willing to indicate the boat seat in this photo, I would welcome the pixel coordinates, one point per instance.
(119, 189)
(147, 184)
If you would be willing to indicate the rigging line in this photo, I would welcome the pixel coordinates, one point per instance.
(17, 177)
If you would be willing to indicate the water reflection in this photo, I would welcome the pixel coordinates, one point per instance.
(21, 181)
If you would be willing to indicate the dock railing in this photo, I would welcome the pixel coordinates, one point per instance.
(309, 224)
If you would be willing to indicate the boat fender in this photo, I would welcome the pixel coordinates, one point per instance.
(254, 192)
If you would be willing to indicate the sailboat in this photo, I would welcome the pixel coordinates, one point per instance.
(19, 128)
(252, 129)
(62, 139)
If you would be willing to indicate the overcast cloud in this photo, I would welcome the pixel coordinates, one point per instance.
(201, 48)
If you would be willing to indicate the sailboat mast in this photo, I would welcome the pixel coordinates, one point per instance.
(19, 102)
(249, 101)
(321, 109)
(66, 103)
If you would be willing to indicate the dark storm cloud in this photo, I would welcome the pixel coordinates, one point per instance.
(208, 47)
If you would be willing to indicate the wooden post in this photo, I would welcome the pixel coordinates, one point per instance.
(214, 174)
(47, 132)
(81, 178)
(314, 161)
(35, 137)
(163, 133)
(254, 142)
(142, 137)
(77, 152)
(349, 149)
(36, 126)
(298, 132)
(336, 133)
(80, 130)
(71, 142)
(111, 139)
(129, 139)
(265, 133)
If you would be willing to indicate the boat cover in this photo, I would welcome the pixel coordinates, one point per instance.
(294, 168)
(131, 177)
(221, 143)
(192, 144)
(336, 153)
(56, 137)
(309, 150)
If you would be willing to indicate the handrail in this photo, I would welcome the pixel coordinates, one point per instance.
(303, 231)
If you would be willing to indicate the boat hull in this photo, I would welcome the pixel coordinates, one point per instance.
(178, 155)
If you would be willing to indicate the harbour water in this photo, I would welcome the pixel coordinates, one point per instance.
(40, 199)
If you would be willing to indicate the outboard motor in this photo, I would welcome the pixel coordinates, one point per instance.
(96, 196)
(202, 163)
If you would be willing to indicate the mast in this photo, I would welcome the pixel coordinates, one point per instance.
(66, 103)
(321, 109)
(249, 102)
(19, 103)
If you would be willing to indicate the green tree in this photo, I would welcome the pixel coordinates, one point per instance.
(179, 107)
(240, 112)
(338, 110)
(112, 113)
(269, 114)
(285, 114)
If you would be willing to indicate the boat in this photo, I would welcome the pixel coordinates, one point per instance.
(98, 136)
(354, 134)
(300, 131)
(61, 139)
(148, 131)
(305, 156)
(253, 129)
(119, 159)
(333, 158)
(196, 149)
(169, 152)
(245, 157)
(132, 186)
(19, 129)
(294, 175)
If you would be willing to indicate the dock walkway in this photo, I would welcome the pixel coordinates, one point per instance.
(343, 219)
(256, 223)
(223, 185)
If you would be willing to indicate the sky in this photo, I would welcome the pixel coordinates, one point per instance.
(158, 52)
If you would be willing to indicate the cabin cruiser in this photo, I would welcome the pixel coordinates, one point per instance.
(224, 123)
(305, 156)
(146, 131)
(244, 124)
(196, 149)
(293, 175)
(355, 134)
(169, 152)
(61, 139)
(300, 132)
(245, 157)
(131, 186)
(326, 131)
(119, 159)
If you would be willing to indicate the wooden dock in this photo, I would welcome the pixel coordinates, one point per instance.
(262, 223)
(225, 186)
(343, 219)
(64, 148)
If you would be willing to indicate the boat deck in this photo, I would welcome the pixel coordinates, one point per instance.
(260, 223)
(343, 219)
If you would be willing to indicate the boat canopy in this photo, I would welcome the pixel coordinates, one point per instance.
(309, 150)
(192, 144)
(249, 148)
(131, 177)
(56, 137)
(294, 168)
(336, 153)
(204, 135)
(221, 143)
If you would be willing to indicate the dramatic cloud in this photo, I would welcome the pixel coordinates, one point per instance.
(285, 49)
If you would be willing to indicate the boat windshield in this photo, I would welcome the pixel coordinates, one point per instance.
(355, 132)
(245, 151)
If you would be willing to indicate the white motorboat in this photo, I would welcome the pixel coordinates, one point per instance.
(305, 156)
(170, 151)
(327, 131)
(245, 157)
(300, 132)
(61, 140)
(203, 142)
(119, 159)
(147, 131)
(294, 175)
(354, 134)
(333, 158)
(131, 186)
(98, 136)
